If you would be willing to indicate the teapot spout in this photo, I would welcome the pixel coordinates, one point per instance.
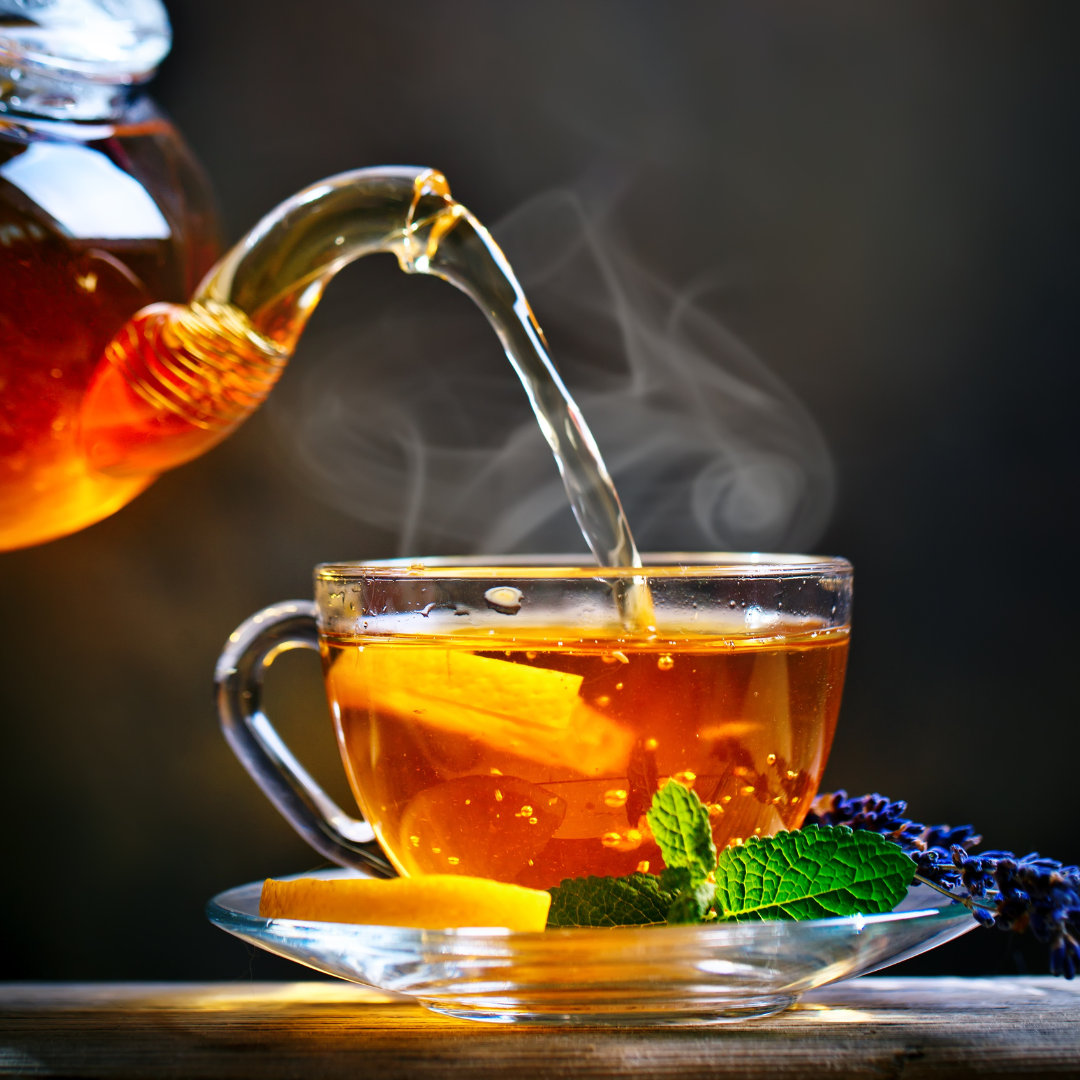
(178, 378)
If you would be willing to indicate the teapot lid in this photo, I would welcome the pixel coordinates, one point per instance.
(102, 41)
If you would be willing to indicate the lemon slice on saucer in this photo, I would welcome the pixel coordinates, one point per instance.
(432, 902)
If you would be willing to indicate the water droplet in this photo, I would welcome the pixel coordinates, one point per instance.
(610, 839)
(665, 663)
(504, 599)
(615, 798)
(453, 860)
(686, 778)
(618, 686)
(498, 795)
(526, 811)
(437, 850)
(747, 789)
(532, 821)
(415, 841)
(642, 867)
(770, 760)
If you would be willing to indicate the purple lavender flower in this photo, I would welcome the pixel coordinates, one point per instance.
(999, 888)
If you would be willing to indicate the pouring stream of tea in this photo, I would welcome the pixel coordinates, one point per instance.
(178, 378)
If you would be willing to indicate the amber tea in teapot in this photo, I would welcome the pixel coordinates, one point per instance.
(102, 211)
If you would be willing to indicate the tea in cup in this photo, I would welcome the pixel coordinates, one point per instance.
(497, 718)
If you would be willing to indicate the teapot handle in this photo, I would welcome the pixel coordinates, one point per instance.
(238, 682)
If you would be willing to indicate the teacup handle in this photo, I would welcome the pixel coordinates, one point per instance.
(238, 679)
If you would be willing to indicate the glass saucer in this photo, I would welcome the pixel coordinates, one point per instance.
(632, 975)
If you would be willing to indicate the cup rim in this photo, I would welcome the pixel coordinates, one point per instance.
(665, 564)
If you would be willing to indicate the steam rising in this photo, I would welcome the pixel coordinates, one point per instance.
(410, 425)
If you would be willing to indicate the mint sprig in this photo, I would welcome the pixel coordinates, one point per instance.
(813, 873)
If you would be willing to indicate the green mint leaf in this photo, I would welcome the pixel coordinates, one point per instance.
(692, 902)
(814, 873)
(680, 825)
(635, 900)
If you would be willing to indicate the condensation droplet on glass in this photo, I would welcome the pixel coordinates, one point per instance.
(504, 599)
(665, 663)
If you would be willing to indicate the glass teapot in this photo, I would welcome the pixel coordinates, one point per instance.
(103, 210)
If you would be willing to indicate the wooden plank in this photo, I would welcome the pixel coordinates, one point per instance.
(874, 1027)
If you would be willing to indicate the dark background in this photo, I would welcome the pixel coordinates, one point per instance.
(891, 192)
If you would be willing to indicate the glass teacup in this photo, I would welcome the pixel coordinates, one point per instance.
(496, 717)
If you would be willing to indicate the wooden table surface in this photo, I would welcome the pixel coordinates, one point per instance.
(873, 1027)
